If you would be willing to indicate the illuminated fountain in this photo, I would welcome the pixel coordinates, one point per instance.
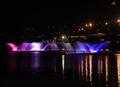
(67, 47)
(81, 47)
(78, 47)
(35, 46)
(51, 47)
(12, 46)
(95, 47)
(24, 47)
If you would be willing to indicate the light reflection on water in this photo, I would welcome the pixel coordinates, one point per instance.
(90, 64)
(36, 60)
(118, 68)
(63, 62)
(101, 69)
(106, 67)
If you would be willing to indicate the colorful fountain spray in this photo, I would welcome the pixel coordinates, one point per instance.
(78, 47)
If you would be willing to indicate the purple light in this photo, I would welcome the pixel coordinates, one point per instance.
(36, 60)
(99, 46)
(24, 46)
(36, 46)
(79, 47)
(94, 48)
(51, 46)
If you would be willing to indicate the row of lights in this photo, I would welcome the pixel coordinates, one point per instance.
(64, 37)
(90, 25)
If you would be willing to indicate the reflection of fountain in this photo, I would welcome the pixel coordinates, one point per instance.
(36, 60)
(78, 47)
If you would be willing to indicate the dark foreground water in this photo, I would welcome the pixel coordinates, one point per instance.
(56, 69)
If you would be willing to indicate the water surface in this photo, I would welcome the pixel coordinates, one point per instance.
(99, 70)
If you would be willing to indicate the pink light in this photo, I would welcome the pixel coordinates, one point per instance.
(12, 46)
(79, 47)
(93, 51)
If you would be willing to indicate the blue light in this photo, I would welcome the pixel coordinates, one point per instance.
(78, 47)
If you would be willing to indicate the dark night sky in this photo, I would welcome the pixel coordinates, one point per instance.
(19, 15)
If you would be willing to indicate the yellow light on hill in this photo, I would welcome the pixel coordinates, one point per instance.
(90, 24)
(118, 20)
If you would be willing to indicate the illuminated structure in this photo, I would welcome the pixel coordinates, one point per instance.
(78, 47)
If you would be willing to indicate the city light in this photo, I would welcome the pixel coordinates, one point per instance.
(118, 20)
(86, 25)
(90, 24)
(55, 38)
(106, 23)
(82, 29)
(63, 37)
(78, 29)
(113, 3)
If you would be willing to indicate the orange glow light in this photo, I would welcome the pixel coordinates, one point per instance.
(118, 20)
(90, 24)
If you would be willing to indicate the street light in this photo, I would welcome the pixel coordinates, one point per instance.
(63, 37)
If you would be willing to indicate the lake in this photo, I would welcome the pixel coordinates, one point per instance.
(87, 70)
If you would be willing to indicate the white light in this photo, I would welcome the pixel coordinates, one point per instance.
(63, 62)
(106, 23)
(117, 41)
(63, 37)
(113, 3)
(90, 24)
